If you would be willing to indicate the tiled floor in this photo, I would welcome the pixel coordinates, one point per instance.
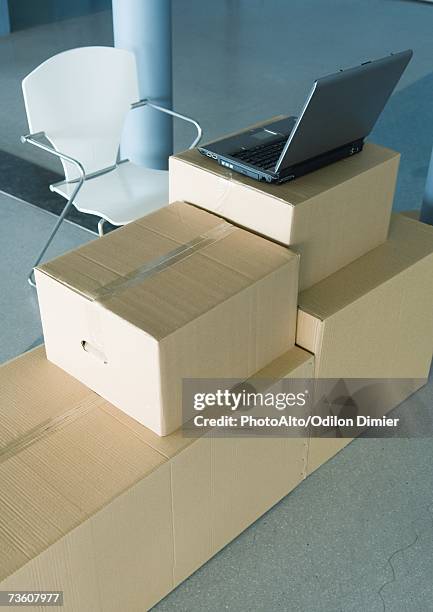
(357, 536)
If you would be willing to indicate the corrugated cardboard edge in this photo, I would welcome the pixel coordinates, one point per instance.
(26, 352)
(412, 214)
(309, 335)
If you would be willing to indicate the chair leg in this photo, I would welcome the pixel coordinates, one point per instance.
(30, 277)
(101, 227)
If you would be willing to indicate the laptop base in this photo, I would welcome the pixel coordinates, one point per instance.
(293, 172)
(310, 165)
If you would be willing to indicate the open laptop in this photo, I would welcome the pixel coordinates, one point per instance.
(340, 111)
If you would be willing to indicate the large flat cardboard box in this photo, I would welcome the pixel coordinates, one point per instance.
(373, 319)
(96, 505)
(331, 216)
(178, 294)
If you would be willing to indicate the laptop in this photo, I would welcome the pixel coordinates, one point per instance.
(339, 113)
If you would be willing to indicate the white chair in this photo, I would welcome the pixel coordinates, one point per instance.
(78, 101)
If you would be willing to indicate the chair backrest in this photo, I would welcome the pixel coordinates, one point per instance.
(80, 99)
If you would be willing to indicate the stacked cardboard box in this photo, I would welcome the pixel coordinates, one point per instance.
(178, 294)
(365, 281)
(330, 217)
(205, 288)
(98, 506)
(373, 319)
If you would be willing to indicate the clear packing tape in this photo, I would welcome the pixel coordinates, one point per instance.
(224, 185)
(121, 284)
(156, 265)
(44, 429)
(165, 261)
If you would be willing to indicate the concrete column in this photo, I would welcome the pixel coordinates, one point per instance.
(144, 27)
(427, 204)
(5, 26)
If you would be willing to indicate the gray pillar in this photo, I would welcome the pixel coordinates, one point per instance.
(144, 27)
(427, 204)
(5, 26)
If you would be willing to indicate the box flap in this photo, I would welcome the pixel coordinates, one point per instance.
(409, 242)
(168, 268)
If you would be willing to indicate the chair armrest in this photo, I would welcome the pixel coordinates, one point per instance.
(33, 140)
(168, 111)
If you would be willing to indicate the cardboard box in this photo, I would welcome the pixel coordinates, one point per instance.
(374, 319)
(177, 294)
(412, 214)
(331, 216)
(95, 504)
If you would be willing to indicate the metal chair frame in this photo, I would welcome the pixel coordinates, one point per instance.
(33, 139)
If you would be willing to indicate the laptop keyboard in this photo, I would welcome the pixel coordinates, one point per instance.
(263, 156)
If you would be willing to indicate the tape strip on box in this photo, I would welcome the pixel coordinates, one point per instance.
(44, 429)
(165, 261)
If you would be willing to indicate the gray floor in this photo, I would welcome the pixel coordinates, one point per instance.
(358, 535)
(23, 229)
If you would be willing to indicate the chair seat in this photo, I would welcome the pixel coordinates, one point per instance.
(121, 195)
